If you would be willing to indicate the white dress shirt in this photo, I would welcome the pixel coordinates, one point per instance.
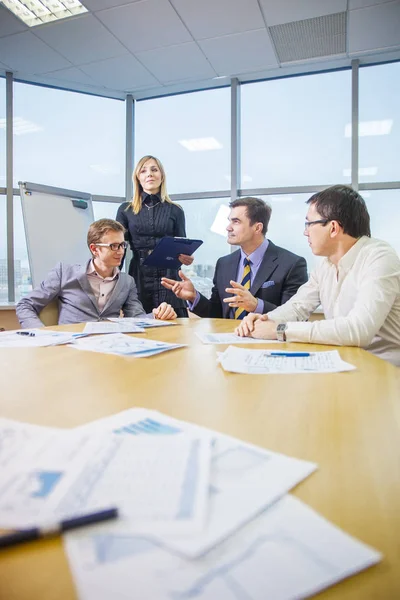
(360, 299)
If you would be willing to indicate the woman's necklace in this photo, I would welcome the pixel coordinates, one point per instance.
(152, 206)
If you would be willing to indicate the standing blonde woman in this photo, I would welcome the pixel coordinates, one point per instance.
(147, 219)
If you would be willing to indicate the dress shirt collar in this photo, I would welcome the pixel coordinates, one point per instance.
(91, 270)
(150, 199)
(348, 260)
(255, 257)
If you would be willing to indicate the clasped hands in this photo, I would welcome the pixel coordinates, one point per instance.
(164, 311)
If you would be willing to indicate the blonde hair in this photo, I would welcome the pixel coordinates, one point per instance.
(136, 203)
(100, 228)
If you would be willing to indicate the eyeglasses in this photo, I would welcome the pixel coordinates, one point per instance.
(322, 221)
(115, 247)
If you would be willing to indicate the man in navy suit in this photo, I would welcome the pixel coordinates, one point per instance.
(275, 273)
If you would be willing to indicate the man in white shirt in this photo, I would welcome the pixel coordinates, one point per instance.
(357, 284)
(94, 291)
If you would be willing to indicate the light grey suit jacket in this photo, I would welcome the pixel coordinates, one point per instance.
(76, 301)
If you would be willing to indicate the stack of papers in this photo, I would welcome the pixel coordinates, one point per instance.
(251, 547)
(231, 338)
(144, 322)
(123, 345)
(262, 362)
(34, 338)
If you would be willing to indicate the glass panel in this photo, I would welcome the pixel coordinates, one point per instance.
(2, 134)
(23, 283)
(206, 220)
(190, 134)
(383, 207)
(379, 129)
(293, 131)
(69, 140)
(3, 252)
(105, 210)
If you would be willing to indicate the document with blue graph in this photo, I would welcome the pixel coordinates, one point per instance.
(244, 479)
(159, 484)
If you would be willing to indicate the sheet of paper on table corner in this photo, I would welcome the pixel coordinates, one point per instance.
(80, 471)
(41, 338)
(144, 322)
(124, 345)
(244, 478)
(230, 338)
(260, 362)
(288, 552)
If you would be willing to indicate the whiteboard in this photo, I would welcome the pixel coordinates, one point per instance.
(55, 229)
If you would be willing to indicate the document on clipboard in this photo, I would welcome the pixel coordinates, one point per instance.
(166, 252)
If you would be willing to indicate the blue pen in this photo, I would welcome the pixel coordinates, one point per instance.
(36, 533)
(290, 354)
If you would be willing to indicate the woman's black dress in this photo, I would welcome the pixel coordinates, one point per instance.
(154, 221)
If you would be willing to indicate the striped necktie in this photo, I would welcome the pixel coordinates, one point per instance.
(240, 313)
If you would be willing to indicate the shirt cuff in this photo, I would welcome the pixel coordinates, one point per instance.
(298, 331)
(192, 305)
(260, 307)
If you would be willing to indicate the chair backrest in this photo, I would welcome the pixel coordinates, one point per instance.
(49, 315)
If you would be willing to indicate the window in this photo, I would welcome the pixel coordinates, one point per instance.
(379, 128)
(293, 131)
(2, 133)
(22, 273)
(69, 140)
(383, 207)
(206, 220)
(190, 134)
(3, 251)
(105, 210)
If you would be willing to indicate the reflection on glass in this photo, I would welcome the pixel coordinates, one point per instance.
(69, 140)
(293, 131)
(22, 273)
(190, 134)
(379, 129)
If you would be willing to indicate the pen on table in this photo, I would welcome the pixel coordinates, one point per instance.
(289, 354)
(36, 533)
(30, 333)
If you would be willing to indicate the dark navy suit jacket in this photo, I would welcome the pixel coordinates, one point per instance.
(278, 278)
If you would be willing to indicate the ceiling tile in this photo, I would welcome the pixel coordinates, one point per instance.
(177, 63)
(91, 40)
(363, 3)
(146, 25)
(241, 52)
(9, 23)
(209, 19)
(374, 28)
(123, 72)
(25, 52)
(73, 74)
(286, 11)
(95, 5)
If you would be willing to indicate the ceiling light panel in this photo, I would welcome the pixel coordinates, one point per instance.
(37, 12)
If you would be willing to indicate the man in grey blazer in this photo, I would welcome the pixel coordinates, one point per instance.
(258, 277)
(91, 292)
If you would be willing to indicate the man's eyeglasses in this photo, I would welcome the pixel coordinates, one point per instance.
(322, 221)
(115, 247)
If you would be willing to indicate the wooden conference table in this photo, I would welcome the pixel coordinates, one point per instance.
(349, 423)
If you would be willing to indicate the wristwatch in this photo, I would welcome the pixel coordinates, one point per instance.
(280, 332)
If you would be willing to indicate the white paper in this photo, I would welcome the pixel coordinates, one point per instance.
(45, 337)
(261, 362)
(289, 552)
(244, 478)
(144, 322)
(106, 327)
(230, 338)
(123, 345)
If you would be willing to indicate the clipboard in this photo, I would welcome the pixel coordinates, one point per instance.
(166, 252)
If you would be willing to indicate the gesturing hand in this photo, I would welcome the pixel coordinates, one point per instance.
(242, 297)
(182, 289)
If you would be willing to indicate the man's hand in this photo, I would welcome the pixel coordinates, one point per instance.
(264, 330)
(242, 298)
(246, 326)
(164, 311)
(182, 289)
(186, 259)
